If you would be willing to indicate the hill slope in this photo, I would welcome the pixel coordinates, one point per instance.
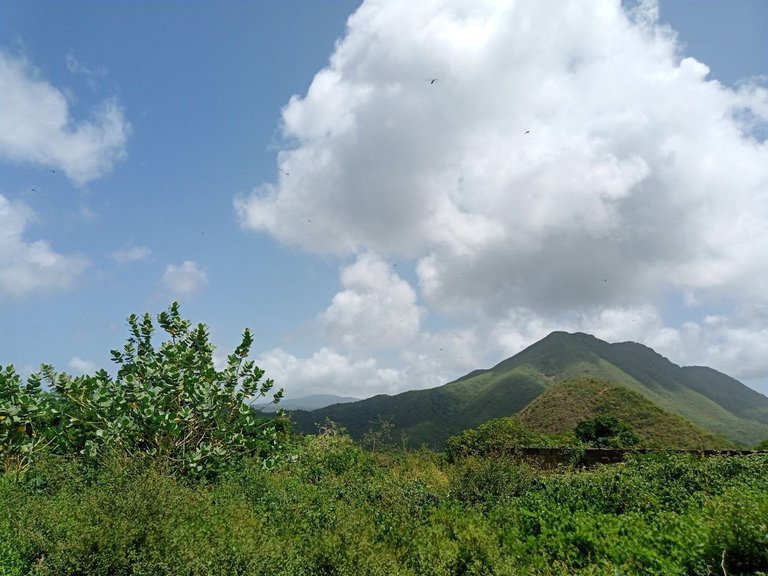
(707, 398)
(563, 405)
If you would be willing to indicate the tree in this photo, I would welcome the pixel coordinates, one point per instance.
(606, 432)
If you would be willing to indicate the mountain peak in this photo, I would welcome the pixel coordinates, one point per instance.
(715, 402)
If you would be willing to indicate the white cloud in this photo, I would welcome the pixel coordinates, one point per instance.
(567, 167)
(376, 309)
(27, 267)
(184, 279)
(80, 366)
(36, 126)
(130, 254)
(329, 372)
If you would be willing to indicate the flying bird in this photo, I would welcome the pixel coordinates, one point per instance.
(527, 131)
(433, 80)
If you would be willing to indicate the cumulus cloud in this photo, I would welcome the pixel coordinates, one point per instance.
(27, 267)
(130, 254)
(376, 309)
(567, 167)
(329, 372)
(184, 279)
(36, 126)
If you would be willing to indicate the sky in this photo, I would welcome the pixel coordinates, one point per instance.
(389, 193)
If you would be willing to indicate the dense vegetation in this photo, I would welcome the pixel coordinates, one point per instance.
(164, 469)
(167, 402)
(336, 509)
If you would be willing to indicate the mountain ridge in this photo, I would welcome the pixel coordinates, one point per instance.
(707, 398)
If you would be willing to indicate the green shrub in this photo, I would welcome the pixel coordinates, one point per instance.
(605, 432)
(497, 437)
(21, 408)
(167, 403)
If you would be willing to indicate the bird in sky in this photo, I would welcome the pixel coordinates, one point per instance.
(433, 80)
(527, 131)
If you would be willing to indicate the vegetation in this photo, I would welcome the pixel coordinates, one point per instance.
(561, 407)
(335, 509)
(164, 469)
(606, 432)
(501, 437)
(167, 403)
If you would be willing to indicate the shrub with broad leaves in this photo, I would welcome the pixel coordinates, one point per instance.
(167, 402)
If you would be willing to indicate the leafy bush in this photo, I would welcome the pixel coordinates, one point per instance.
(21, 406)
(167, 403)
(497, 437)
(606, 432)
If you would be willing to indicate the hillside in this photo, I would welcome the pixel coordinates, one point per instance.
(707, 398)
(563, 405)
(430, 416)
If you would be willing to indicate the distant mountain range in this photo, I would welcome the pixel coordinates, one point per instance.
(312, 402)
(650, 392)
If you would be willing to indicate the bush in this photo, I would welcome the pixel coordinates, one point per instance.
(498, 437)
(606, 432)
(167, 403)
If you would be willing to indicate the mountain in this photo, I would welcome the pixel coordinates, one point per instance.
(312, 402)
(562, 406)
(707, 398)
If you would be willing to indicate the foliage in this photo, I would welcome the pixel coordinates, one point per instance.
(167, 403)
(498, 437)
(762, 445)
(20, 408)
(605, 432)
(336, 509)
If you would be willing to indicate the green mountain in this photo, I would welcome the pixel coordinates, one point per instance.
(705, 397)
(562, 406)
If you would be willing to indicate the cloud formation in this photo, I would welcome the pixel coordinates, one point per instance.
(36, 126)
(376, 309)
(567, 166)
(184, 279)
(27, 267)
(329, 372)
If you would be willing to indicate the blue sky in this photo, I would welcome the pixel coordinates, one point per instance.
(278, 166)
